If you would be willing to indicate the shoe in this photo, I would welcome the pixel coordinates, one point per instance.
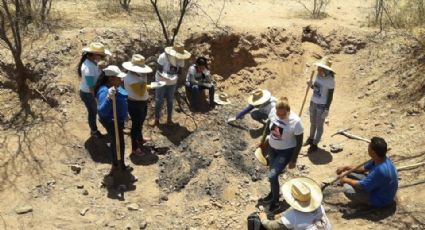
(274, 207)
(266, 199)
(138, 152)
(170, 121)
(313, 148)
(96, 134)
(309, 141)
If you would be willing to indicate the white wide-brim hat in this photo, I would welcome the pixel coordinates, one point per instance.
(259, 97)
(325, 63)
(97, 48)
(302, 194)
(260, 157)
(221, 99)
(137, 65)
(178, 51)
(113, 71)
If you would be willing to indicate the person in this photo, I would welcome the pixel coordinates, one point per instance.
(323, 91)
(199, 78)
(136, 84)
(263, 101)
(379, 187)
(306, 211)
(89, 72)
(170, 65)
(284, 144)
(108, 88)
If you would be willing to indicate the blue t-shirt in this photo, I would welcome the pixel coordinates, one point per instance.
(104, 106)
(381, 183)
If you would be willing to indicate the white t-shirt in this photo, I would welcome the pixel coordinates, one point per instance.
(267, 107)
(192, 73)
(168, 69)
(133, 79)
(321, 88)
(282, 132)
(297, 220)
(89, 74)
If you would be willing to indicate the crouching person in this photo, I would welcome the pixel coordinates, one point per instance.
(306, 210)
(199, 79)
(376, 182)
(108, 88)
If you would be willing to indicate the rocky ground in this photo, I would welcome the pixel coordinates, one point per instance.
(201, 173)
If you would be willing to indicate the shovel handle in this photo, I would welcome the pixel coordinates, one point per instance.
(347, 172)
(306, 93)
(117, 137)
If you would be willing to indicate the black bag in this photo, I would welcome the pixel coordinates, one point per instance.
(254, 222)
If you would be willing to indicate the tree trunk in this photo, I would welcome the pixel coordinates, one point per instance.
(22, 86)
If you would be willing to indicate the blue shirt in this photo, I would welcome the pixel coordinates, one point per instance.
(104, 105)
(381, 183)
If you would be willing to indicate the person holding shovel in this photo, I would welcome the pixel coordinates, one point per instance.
(375, 183)
(109, 92)
(306, 210)
(260, 100)
(198, 79)
(170, 66)
(284, 144)
(323, 90)
(89, 71)
(136, 84)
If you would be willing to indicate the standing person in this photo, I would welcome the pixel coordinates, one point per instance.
(260, 100)
(379, 187)
(323, 91)
(136, 84)
(170, 66)
(107, 88)
(284, 144)
(306, 211)
(199, 78)
(89, 72)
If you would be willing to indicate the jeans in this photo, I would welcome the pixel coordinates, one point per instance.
(91, 106)
(278, 161)
(195, 91)
(137, 111)
(316, 122)
(110, 128)
(356, 195)
(166, 91)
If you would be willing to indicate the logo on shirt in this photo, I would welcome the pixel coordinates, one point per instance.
(276, 131)
(317, 89)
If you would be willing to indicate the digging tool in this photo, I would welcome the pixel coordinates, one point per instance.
(306, 93)
(352, 136)
(406, 167)
(341, 131)
(326, 184)
(117, 137)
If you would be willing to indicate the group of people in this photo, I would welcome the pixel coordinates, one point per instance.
(103, 89)
(107, 90)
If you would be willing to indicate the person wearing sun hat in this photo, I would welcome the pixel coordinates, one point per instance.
(222, 99)
(323, 91)
(170, 65)
(198, 79)
(89, 71)
(262, 101)
(108, 87)
(136, 84)
(306, 211)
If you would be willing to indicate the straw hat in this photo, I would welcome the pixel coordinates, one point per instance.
(113, 71)
(260, 157)
(178, 51)
(137, 64)
(302, 194)
(221, 99)
(97, 48)
(325, 63)
(259, 97)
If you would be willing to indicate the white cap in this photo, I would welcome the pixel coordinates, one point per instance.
(113, 71)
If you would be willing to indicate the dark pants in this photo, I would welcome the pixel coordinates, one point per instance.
(195, 92)
(91, 106)
(278, 161)
(109, 126)
(137, 111)
(356, 195)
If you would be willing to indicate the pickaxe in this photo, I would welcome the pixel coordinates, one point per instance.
(351, 136)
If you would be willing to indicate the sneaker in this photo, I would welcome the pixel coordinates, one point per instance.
(138, 152)
(309, 141)
(274, 207)
(96, 134)
(313, 148)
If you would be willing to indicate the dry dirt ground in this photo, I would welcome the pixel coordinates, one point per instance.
(201, 173)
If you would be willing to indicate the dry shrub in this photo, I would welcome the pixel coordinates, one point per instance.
(316, 8)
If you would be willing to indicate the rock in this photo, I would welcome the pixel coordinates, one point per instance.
(128, 226)
(133, 207)
(421, 103)
(412, 126)
(164, 197)
(80, 186)
(84, 211)
(85, 192)
(23, 209)
(336, 148)
(143, 225)
(51, 182)
(76, 169)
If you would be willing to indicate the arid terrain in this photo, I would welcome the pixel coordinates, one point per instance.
(201, 173)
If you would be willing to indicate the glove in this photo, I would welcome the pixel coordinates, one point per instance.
(111, 92)
(231, 119)
(325, 114)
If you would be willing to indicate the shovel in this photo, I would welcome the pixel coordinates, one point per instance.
(326, 184)
(306, 93)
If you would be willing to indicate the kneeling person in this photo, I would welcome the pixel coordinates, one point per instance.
(199, 78)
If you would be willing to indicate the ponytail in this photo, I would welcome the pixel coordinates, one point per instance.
(82, 60)
(102, 80)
